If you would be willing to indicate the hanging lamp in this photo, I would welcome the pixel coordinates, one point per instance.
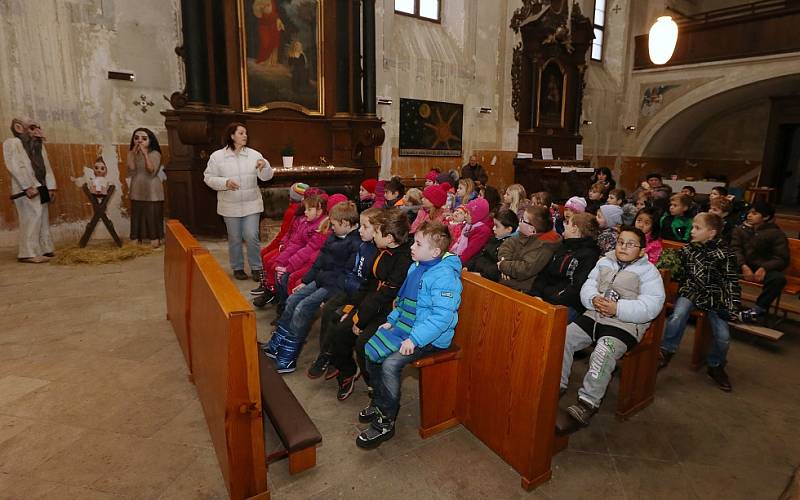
(662, 40)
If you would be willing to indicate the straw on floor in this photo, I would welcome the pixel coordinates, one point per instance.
(99, 253)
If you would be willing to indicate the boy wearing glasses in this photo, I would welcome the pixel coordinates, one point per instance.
(521, 257)
(623, 294)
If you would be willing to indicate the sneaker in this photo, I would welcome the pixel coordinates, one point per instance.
(582, 412)
(718, 375)
(331, 372)
(750, 315)
(368, 414)
(265, 298)
(319, 366)
(346, 385)
(664, 357)
(380, 430)
(239, 274)
(259, 290)
(257, 275)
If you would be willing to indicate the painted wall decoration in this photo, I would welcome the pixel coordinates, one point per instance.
(653, 99)
(430, 128)
(281, 43)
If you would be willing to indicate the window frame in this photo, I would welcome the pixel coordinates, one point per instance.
(416, 14)
(602, 29)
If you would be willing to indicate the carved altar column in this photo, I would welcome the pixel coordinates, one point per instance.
(195, 49)
(369, 57)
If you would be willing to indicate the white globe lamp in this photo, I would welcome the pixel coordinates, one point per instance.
(662, 39)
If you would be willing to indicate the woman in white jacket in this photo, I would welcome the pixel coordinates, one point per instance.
(233, 172)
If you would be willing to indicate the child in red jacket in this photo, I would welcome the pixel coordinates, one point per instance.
(293, 211)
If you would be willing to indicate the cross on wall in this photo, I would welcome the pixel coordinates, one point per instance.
(616, 9)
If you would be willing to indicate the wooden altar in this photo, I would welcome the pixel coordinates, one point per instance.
(327, 115)
(548, 72)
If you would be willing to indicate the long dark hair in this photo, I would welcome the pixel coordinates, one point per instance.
(150, 135)
(655, 218)
(229, 132)
(606, 171)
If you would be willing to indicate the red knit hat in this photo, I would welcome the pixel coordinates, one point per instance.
(431, 176)
(436, 195)
(369, 184)
(334, 200)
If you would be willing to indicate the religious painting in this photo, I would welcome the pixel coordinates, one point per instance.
(281, 50)
(430, 128)
(551, 95)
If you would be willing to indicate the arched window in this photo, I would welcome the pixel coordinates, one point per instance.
(599, 29)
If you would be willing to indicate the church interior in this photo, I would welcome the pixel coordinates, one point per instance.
(203, 201)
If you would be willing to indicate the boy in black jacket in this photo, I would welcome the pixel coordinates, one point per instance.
(355, 284)
(360, 320)
(560, 282)
(485, 262)
(325, 278)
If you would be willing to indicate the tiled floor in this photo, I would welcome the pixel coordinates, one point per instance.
(95, 404)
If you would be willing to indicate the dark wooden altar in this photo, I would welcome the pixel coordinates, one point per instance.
(548, 74)
(343, 131)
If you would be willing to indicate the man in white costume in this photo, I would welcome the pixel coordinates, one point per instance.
(32, 187)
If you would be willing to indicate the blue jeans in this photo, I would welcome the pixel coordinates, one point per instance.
(676, 325)
(243, 228)
(385, 378)
(301, 307)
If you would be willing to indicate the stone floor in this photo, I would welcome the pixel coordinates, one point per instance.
(95, 404)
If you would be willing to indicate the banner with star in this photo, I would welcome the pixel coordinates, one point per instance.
(430, 128)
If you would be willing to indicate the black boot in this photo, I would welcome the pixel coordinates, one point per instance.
(718, 375)
(266, 298)
(664, 357)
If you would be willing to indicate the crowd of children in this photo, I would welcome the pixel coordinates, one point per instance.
(385, 271)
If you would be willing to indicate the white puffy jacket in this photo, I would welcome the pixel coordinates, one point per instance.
(224, 164)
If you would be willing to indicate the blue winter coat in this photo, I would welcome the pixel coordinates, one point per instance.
(334, 261)
(437, 304)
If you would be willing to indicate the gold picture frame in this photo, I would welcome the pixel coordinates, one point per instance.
(279, 68)
(553, 107)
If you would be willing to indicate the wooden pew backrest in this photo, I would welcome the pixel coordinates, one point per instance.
(180, 246)
(511, 347)
(225, 361)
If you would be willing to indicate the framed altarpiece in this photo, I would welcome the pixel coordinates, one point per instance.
(299, 74)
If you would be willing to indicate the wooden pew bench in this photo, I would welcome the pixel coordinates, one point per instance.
(297, 432)
(180, 247)
(505, 360)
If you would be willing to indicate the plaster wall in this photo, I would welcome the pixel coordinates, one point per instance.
(56, 55)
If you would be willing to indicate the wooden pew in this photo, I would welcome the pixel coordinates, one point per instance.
(226, 374)
(180, 247)
(638, 368)
(297, 432)
(505, 361)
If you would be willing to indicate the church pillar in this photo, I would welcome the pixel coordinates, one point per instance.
(355, 61)
(343, 55)
(369, 57)
(195, 50)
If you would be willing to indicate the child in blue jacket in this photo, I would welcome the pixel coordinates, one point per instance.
(325, 279)
(423, 321)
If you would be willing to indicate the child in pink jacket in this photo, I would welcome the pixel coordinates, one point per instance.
(476, 232)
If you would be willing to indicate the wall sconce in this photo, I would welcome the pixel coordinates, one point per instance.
(630, 128)
(587, 122)
(127, 76)
(485, 110)
(384, 101)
